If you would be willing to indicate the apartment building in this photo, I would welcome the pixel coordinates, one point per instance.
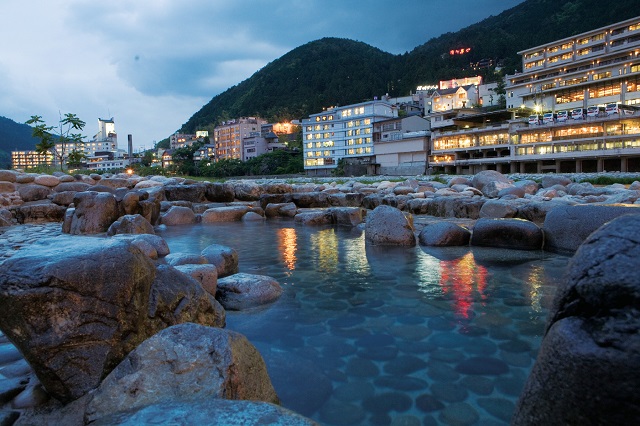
(342, 133)
(230, 135)
(574, 108)
(401, 145)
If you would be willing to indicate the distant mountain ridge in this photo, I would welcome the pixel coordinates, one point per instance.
(14, 137)
(333, 71)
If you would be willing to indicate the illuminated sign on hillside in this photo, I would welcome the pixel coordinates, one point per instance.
(461, 51)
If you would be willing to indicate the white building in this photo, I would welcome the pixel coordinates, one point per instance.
(342, 133)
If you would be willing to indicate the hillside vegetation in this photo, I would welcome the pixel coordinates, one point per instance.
(333, 71)
(13, 137)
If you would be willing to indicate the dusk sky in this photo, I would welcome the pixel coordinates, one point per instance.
(151, 64)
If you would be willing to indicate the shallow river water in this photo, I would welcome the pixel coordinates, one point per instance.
(384, 335)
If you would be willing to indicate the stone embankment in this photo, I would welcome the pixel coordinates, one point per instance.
(85, 352)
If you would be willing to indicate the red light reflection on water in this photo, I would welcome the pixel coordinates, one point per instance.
(287, 246)
(460, 278)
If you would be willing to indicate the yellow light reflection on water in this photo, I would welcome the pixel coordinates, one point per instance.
(355, 255)
(287, 246)
(534, 282)
(324, 244)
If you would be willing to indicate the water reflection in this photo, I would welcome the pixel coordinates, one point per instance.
(324, 244)
(460, 278)
(381, 335)
(287, 246)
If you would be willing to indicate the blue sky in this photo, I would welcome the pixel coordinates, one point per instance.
(151, 64)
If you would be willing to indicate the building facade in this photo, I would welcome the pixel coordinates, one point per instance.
(574, 108)
(342, 133)
(230, 135)
(401, 145)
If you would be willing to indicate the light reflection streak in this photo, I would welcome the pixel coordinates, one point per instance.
(535, 282)
(324, 244)
(462, 279)
(287, 246)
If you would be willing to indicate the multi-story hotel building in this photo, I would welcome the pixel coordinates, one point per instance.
(582, 98)
(229, 136)
(342, 132)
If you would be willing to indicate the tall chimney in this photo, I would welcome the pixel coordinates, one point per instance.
(130, 141)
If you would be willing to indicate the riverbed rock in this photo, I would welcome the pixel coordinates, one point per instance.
(550, 179)
(8, 176)
(94, 213)
(224, 258)
(213, 412)
(314, 217)
(131, 224)
(565, 228)
(178, 215)
(517, 234)
(6, 218)
(184, 362)
(7, 187)
(387, 225)
(195, 193)
(76, 306)
(219, 192)
(444, 234)
(498, 208)
(589, 360)
(242, 291)
(347, 216)
(280, 210)
(205, 274)
(33, 192)
(312, 199)
(224, 214)
(248, 191)
(490, 182)
(39, 212)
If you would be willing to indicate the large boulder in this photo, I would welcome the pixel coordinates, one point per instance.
(565, 228)
(444, 234)
(552, 179)
(490, 182)
(33, 192)
(75, 307)
(387, 225)
(497, 208)
(178, 215)
(241, 291)
(224, 258)
(184, 362)
(588, 369)
(248, 191)
(194, 193)
(517, 234)
(347, 216)
(280, 210)
(224, 214)
(312, 199)
(94, 213)
(39, 212)
(220, 192)
(205, 274)
(314, 217)
(131, 224)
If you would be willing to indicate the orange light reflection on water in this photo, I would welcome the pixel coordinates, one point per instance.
(287, 246)
(460, 278)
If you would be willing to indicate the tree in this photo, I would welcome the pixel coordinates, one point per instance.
(57, 140)
(74, 160)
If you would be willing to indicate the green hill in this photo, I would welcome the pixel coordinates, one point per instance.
(13, 137)
(333, 71)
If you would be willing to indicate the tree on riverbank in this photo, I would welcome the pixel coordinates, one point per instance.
(57, 139)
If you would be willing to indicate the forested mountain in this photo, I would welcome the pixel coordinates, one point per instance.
(13, 137)
(335, 71)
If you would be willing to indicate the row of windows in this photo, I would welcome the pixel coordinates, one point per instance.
(349, 151)
(352, 111)
(551, 149)
(324, 118)
(467, 141)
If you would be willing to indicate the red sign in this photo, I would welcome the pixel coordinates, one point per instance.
(459, 51)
